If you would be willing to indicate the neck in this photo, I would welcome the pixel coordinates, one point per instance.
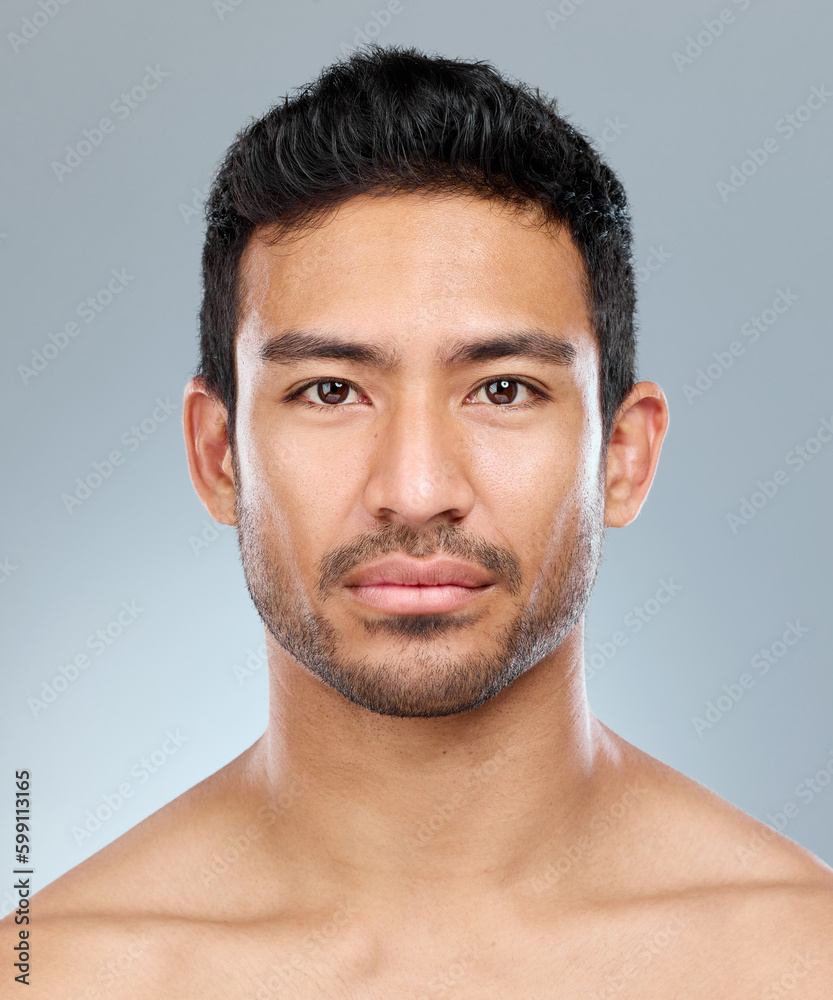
(388, 806)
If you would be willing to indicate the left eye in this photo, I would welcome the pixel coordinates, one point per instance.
(330, 391)
(505, 390)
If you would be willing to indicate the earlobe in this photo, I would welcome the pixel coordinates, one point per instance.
(633, 452)
(205, 424)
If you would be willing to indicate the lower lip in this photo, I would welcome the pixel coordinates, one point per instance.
(422, 600)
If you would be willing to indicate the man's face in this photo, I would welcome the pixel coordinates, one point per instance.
(434, 455)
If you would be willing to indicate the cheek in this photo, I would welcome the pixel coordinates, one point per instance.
(557, 488)
(526, 486)
(292, 480)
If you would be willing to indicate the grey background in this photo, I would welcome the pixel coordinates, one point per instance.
(128, 205)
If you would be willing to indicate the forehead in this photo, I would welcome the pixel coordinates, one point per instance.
(414, 270)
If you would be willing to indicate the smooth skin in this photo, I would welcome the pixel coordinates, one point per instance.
(519, 849)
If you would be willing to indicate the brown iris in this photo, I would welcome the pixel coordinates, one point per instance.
(502, 390)
(333, 392)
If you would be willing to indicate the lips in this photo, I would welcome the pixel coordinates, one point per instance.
(410, 586)
(399, 572)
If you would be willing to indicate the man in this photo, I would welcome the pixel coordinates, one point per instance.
(417, 404)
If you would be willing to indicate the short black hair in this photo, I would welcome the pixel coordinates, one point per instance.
(393, 119)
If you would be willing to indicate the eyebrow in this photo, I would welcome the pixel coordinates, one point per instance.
(296, 345)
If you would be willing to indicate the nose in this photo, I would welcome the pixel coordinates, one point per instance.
(420, 470)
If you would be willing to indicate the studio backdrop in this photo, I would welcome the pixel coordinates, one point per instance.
(133, 660)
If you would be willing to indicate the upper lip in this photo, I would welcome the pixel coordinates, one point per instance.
(416, 573)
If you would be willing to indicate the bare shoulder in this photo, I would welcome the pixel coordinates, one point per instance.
(138, 872)
(173, 861)
(117, 924)
(89, 957)
(90, 932)
(795, 919)
(757, 904)
(758, 941)
(692, 834)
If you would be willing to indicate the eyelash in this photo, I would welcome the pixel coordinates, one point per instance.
(538, 398)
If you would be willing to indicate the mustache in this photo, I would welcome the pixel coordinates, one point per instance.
(400, 539)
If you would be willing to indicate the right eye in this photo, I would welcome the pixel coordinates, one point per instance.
(330, 393)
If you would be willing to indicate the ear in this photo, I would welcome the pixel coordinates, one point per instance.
(205, 422)
(635, 442)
